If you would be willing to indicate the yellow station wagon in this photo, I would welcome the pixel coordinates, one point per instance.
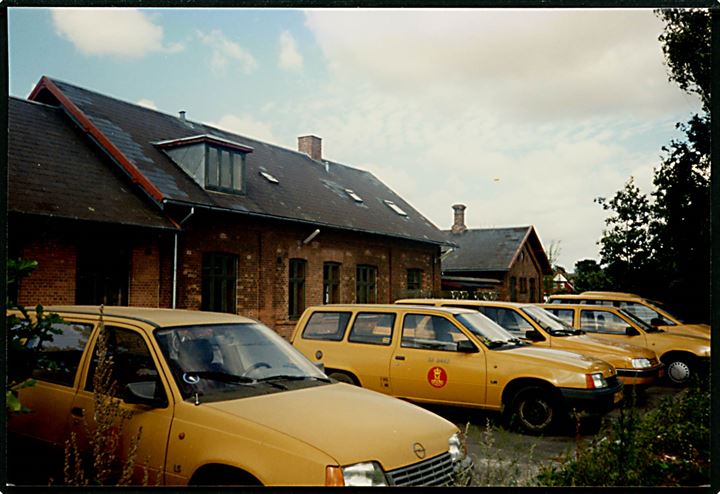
(635, 365)
(455, 357)
(223, 400)
(650, 312)
(682, 354)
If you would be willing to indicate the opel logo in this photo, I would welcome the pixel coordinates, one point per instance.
(419, 450)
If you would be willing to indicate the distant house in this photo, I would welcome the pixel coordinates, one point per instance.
(125, 205)
(510, 262)
(561, 283)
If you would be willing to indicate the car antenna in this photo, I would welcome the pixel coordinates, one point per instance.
(197, 399)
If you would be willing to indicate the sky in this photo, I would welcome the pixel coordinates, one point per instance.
(523, 115)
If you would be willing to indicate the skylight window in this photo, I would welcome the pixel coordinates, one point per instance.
(352, 194)
(395, 208)
(269, 178)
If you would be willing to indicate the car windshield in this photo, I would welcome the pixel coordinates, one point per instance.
(642, 324)
(549, 322)
(490, 333)
(646, 313)
(226, 361)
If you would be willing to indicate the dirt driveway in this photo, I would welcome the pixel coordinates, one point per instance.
(505, 458)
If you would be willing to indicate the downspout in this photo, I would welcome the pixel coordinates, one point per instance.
(175, 259)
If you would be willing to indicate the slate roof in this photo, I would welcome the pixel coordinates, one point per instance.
(492, 249)
(55, 171)
(307, 191)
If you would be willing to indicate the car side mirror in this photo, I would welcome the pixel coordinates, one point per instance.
(630, 331)
(533, 335)
(657, 321)
(143, 393)
(466, 346)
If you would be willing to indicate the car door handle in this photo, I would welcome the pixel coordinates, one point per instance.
(78, 412)
(399, 357)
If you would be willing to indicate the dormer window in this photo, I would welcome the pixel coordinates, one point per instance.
(214, 163)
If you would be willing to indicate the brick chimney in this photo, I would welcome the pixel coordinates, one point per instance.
(310, 145)
(459, 219)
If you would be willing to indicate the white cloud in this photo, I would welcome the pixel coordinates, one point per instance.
(147, 103)
(225, 51)
(290, 57)
(246, 125)
(124, 33)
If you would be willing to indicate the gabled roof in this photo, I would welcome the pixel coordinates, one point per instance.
(55, 171)
(492, 249)
(308, 191)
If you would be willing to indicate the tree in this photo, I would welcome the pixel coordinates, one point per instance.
(590, 276)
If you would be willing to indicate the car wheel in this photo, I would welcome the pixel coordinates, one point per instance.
(342, 377)
(678, 371)
(534, 410)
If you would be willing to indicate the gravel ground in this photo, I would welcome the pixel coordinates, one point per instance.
(504, 458)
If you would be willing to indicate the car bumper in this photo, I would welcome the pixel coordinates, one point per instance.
(641, 377)
(592, 401)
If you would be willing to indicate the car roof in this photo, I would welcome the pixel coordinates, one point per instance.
(154, 316)
(484, 303)
(596, 296)
(450, 310)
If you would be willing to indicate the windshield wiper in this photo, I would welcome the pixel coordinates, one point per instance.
(216, 376)
(289, 377)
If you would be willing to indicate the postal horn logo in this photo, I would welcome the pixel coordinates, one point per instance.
(437, 377)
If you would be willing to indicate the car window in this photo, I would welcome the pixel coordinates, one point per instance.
(645, 313)
(430, 332)
(602, 322)
(512, 321)
(132, 363)
(60, 358)
(565, 315)
(326, 326)
(372, 328)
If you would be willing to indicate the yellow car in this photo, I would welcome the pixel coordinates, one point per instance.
(636, 366)
(455, 357)
(223, 400)
(682, 354)
(649, 312)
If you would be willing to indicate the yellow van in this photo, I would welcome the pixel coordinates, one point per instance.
(455, 357)
(223, 400)
(682, 354)
(636, 366)
(650, 312)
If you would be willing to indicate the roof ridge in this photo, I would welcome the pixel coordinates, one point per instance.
(525, 227)
(33, 102)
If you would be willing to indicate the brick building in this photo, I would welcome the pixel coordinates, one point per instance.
(508, 262)
(125, 205)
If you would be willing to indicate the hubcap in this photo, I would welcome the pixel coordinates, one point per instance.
(536, 413)
(678, 372)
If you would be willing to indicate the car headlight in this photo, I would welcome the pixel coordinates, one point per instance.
(641, 363)
(364, 474)
(456, 448)
(595, 380)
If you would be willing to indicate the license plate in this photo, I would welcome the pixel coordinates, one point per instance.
(618, 397)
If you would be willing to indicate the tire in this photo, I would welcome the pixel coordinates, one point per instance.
(534, 410)
(679, 370)
(342, 377)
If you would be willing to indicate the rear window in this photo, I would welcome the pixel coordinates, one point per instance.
(60, 358)
(328, 326)
(372, 328)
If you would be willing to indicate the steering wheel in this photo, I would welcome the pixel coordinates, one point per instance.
(256, 365)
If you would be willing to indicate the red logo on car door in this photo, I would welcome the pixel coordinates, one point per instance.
(437, 377)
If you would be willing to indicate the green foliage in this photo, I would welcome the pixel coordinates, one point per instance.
(669, 446)
(26, 338)
(590, 276)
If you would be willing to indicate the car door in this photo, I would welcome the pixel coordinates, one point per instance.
(134, 362)
(369, 348)
(610, 326)
(52, 396)
(427, 366)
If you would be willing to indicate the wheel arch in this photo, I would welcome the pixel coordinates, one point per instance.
(515, 385)
(222, 474)
(349, 373)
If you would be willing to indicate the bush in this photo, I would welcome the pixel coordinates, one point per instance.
(669, 446)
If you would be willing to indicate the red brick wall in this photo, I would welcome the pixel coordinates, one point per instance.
(264, 250)
(53, 282)
(526, 266)
(144, 283)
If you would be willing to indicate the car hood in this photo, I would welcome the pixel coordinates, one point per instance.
(619, 354)
(698, 330)
(348, 423)
(552, 357)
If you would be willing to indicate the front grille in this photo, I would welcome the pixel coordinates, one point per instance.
(613, 381)
(437, 471)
